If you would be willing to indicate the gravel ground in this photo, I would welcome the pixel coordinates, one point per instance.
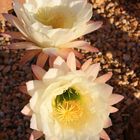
(119, 45)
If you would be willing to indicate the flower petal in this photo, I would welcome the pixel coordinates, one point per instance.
(38, 72)
(93, 71)
(51, 74)
(78, 64)
(86, 64)
(33, 86)
(64, 53)
(108, 123)
(115, 98)
(41, 60)
(74, 44)
(23, 45)
(92, 26)
(88, 48)
(104, 78)
(13, 35)
(71, 61)
(35, 135)
(26, 110)
(29, 55)
(103, 91)
(60, 64)
(104, 135)
(112, 109)
(51, 61)
(15, 22)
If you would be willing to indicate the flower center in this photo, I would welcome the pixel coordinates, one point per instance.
(57, 17)
(69, 109)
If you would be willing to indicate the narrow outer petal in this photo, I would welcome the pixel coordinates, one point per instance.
(35, 135)
(71, 61)
(38, 71)
(86, 64)
(104, 78)
(115, 98)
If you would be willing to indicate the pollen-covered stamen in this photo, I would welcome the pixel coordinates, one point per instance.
(70, 109)
(57, 17)
(69, 112)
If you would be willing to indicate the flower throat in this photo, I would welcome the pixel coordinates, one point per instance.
(57, 17)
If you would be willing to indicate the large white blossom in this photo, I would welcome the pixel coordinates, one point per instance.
(52, 24)
(70, 104)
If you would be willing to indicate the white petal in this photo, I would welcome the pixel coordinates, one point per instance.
(60, 64)
(104, 78)
(33, 86)
(51, 74)
(21, 14)
(71, 61)
(87, 28)
(60, 36)
(83, 10)
(93, 71)
(103, 91)
(74, 44)
(33, 123)
(26, 110)
(86, 64)
(108, 123)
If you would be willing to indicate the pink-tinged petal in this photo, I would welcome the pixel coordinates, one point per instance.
(86, 64)
(29, 55)
(51, 74)
(15, 22)
(93, 71)
(33, 86)
(27, 110)
(92, 26)
(77, 54)
(104, 78)
(112, 109)
(23, 89)
(41, 60)
(60, 64)
(75, 44)
(13, 35)
(104, 135)
(78, 64)
(38, 72)
(88, 28)
(108, 123)
(51, 60)
(35, 135)
(71, 61)
(88, 48)
(115, 98)
(64, 53)
(23, 45)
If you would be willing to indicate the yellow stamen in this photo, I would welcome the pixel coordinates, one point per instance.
(69, 112)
